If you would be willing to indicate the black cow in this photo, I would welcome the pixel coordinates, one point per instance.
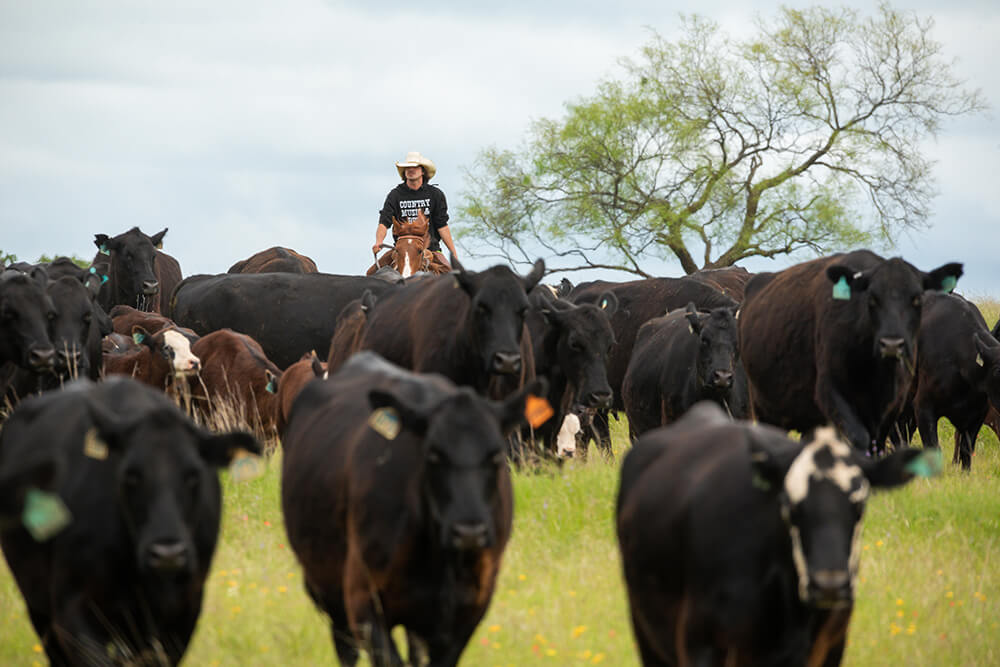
(740, 546)
(288, 314)
(139, 274)
(953, 380)
(409, 474)
(26, 311)
(124, 580)
(638, 302)
(832, 340)
(467, 326)
(682, 358)
(571, 344)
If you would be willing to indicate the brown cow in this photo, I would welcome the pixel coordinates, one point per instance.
(275, 260)
(293, 380)
(235, 369)
(730, 280)
(398, 503)
(350, 330)
(156, 359)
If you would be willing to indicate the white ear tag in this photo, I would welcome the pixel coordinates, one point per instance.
(94, 447)
(979, 360)
(690, 327)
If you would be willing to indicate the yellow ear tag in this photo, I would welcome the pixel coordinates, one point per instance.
(246, 466)
(537, 410)
(94, 447)
(385, 422)
(45, 514)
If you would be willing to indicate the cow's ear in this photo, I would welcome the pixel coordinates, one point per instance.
(273, 381)
(900, 467)
(391, 411)
(988, 350)
(771, 455)
(140, 336)
(367, 300)
(219, 449)
(694, 320)
(103, 242)
(943, 278)
(846, 280)
(553, 316)
(565, 287)
(534, 276)
(608, 302)
(157, 238)
(511, 412)
(40, 276)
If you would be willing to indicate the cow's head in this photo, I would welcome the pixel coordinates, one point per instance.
(465, 463)
(165, 479)
(26, 312)
(71, 328)
(718, 347)
(988, 356)
(887, 300)
(498, 306)
(132, 265)
(584, 341)
(822, 489)
(172, 346)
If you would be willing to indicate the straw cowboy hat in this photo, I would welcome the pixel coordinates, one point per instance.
(415, 159)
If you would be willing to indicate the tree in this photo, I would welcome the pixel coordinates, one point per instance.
(711, 150)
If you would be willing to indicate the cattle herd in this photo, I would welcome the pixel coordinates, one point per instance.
(399, 406)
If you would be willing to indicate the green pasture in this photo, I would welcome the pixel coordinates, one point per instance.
(929, 592)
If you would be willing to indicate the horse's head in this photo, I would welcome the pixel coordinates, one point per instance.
(412, 238)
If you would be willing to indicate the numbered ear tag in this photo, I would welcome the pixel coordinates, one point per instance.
(94, 447)
(385, 422)
(537, 410)
(841, 290)
(45, 514)
(948, 284)
(925, 464)
(246, 466)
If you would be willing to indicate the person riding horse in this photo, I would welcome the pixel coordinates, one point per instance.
(404, 207)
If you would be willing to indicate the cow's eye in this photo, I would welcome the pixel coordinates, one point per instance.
(132, 478)
(917, 301)
(8, 316)
(51, 315)
(87, 317)
(482, 309)
(434, 457)
(575, 345)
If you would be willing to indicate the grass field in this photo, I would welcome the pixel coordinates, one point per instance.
(929, 593)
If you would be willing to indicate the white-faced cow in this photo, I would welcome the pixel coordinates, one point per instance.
(833, 341)
(741, 547)
(123, 581)
(409, 476)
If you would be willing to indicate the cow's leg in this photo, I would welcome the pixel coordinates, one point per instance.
(602, 431)
(965, 445)
(927, 425)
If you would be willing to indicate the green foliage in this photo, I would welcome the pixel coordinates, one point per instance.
(7, 258)
(79, 261)
(709, 150)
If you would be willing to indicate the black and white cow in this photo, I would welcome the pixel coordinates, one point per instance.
(741, 546)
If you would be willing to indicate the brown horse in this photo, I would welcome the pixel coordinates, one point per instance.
(410, 254)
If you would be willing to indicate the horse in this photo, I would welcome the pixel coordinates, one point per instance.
(410, 253)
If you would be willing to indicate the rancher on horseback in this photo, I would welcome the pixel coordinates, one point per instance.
(414, 196)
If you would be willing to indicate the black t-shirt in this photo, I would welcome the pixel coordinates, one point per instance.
(403, 203)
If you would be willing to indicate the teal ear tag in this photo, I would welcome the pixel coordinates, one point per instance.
(271, 389)
(137, 338)
(103, 249)
(948, 284)
(841, 290)
(44, 514)
(246, 466)
(926, 464)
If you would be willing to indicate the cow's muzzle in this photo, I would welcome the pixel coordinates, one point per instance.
(167, 556)
(506, 363)
(41, 358)
(469, 536)
(150, 287)
(722, 379)
(830, 589)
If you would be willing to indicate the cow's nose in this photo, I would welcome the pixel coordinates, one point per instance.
(466, 536)
(41, 357)
(167, 556)
(891, 348)
(150, 287)
(722, 379)
(195, 364)
(830, 587)
(506, 363)
(599, 399)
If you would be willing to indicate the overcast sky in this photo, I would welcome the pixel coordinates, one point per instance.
(241, 125)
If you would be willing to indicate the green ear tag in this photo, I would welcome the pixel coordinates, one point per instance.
(926, 464)
(44, 514)
(385, 422)
(103, 249)
(137, 338)
(841, 290)
(246, 466)
(271, 389)
(760, 483)
(948, 284)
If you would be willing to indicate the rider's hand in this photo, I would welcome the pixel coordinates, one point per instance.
(376, 247)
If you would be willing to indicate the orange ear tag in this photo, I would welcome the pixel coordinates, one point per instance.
(537, 410)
